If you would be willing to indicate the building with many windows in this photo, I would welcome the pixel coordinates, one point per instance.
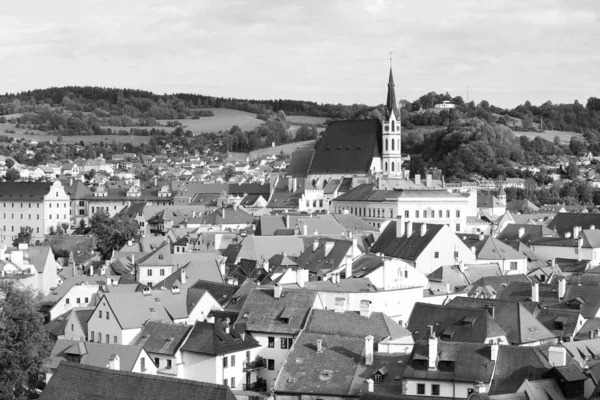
(39, 205)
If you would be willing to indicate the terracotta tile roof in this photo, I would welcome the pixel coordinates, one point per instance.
(162, 338)
(76, 382)
(213, 339)
(262, 311)
(350, 323)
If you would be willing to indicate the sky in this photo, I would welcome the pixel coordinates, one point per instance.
(327, 51)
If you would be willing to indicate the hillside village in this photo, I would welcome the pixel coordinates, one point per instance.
(330, 273)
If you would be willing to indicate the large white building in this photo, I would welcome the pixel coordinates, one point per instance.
(39, 205)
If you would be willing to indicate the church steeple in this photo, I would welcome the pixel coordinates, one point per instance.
(391, 104)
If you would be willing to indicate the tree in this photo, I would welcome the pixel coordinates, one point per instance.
(24, 236)
(112, 233)
(13, 175)
(24, 344)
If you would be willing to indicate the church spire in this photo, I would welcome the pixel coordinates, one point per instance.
(391, 104)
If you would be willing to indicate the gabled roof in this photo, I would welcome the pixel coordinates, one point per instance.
(161, 337)
(213, 339)
(347, 147)
(407, 248)
(565, 222)
(514, 318)
(472, 362)
(351, 323)
(75, 382)
(262, 311)
(449, 323)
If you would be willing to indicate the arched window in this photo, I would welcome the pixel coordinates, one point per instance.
(393, 141)
(393, 126)
(386, 144)
(386, 166)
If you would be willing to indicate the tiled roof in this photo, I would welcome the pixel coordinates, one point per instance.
(472, 362)
(24, 191)
(161, 338)
(565, 222)
(514, 318)
(449, 323)
(331, 371)
(350, 323)
(516, 364)
(407, 248)
(347, 147)
(94, 354)
(76, 382)
(262, 311)
(213, 339)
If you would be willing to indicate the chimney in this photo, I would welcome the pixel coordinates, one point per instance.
(562, 288)
(557, 356)
(277, 291)
(491, 310)
(576, 231)
(400, 228)
(535, 292)
(265, 266)
(365, 308)
(423, 229)
(319, 345)
(479, 387)
(494, 349)
(409, 229)
(521, 232)
(328, 248)
(348, 260)
(433, 349)
(183, 277)
(417, 179)
(429, 180)
(370, 385)
(114, 362)
(369, 350)
(315, 244)
(301, 277)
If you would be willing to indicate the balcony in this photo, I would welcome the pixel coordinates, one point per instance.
(258, 363)
(260, 385)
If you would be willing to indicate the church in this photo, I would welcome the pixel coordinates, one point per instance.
(364, 150)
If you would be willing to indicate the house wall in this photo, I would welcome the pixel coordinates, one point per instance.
(447, 388)
(69, 300)
(445, 243)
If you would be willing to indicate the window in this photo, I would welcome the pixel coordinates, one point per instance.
(107, 315)
(143, 363)
(233, 360)
(115, 339)
(271, 364)
(149, 272)
(420, 388)
(436, 254)
(169, 364)
(435, 390)
(100, 314)
(271, 342)
(225, 362)
(513, 265)
(233, 383)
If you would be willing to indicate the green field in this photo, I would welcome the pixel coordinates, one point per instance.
(305, 119)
